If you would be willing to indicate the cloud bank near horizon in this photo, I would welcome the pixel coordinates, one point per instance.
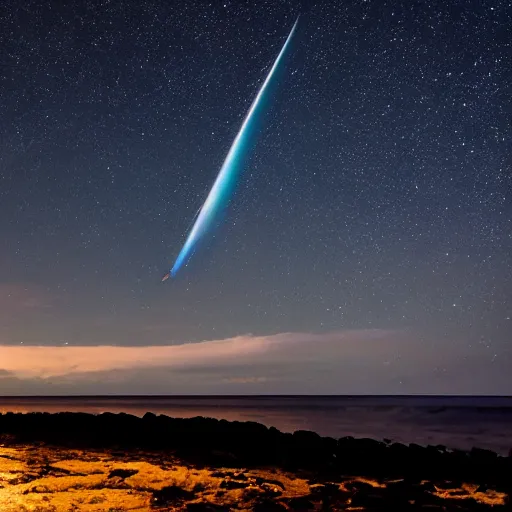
(57, 361)
(353, 361)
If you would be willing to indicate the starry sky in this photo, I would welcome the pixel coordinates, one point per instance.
(367, 247)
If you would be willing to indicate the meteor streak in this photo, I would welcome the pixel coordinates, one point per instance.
(225, 181)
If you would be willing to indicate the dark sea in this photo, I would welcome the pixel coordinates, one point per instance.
(456, 422)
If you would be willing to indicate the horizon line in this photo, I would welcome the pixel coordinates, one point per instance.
(160, 396)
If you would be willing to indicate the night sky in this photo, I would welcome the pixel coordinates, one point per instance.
(367, 247)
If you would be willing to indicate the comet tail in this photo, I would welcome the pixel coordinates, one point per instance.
(225, 181)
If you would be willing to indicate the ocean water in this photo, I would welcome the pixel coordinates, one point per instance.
(456, 422)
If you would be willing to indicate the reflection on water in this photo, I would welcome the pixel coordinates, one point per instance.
(460, 422)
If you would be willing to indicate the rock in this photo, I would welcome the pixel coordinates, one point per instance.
(233, 484)
(211, 442)
(441, 484)
(356, 485)
(171, 495)
(399, 494)
(260, 481)
(329, 494)
(221, 457)
(206, 507)
(270, 489)
(331, 488)
(428, 487)
(369, 501)
(236, 475)
(269, 506)
(122, 473)
(300, 503)
(482, 456)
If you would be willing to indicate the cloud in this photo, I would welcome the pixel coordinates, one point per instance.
(245, 380)
(352, 362)
(54, 361)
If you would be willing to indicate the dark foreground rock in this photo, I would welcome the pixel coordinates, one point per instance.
(221, 443)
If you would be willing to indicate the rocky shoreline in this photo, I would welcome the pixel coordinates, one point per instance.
(232, 466)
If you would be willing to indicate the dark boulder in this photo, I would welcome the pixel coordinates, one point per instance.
(220, 443)
(122, 473)
(300, 503)
(206, 507)
(269, 506)
(171, 495)
(233, 484)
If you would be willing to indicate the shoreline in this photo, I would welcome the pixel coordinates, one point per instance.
(250, 443)
(203, 464)
(455, 423)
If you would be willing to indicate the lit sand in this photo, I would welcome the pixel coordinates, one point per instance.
(55, 480)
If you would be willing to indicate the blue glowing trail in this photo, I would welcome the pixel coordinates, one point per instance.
(225, 181)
